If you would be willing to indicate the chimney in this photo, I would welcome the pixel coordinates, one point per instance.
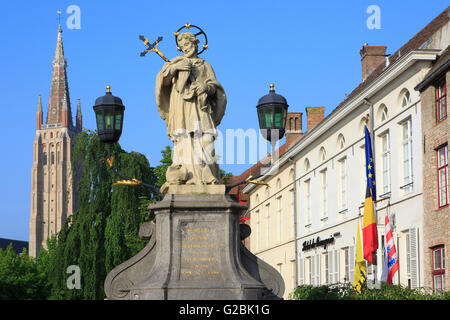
(314, 115)
(293, 128)
(371, 57)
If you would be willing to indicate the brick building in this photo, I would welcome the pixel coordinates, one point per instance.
(53, 192)
(436, 137)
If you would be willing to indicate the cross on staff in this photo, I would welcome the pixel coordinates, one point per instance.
(152, 47)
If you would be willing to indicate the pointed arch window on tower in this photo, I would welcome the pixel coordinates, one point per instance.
(53, 158)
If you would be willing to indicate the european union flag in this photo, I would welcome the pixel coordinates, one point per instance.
(370, 168)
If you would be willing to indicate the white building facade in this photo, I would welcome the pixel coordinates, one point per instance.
(305, 222)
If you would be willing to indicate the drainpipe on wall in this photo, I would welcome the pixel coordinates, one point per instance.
(294, 191)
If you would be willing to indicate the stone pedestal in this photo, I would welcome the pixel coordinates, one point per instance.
(195, 252)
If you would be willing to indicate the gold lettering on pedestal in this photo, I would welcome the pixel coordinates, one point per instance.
(199, 256)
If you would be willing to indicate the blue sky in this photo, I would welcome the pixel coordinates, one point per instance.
(309, 49)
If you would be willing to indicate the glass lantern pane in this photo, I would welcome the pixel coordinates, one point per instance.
(278, 118)
(118, 123)
(109, 120)
(269, 118)
(100, 125)
(261, 119)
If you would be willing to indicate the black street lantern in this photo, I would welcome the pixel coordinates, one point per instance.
(109, 114)
(272, 114)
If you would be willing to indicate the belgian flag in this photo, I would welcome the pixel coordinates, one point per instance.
(370, 233)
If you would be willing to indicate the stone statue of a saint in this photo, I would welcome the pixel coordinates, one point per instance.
(192, 103)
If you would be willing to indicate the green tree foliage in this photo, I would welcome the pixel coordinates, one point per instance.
(346, 292)
(104, 231)
(165, 162)
(20, 276)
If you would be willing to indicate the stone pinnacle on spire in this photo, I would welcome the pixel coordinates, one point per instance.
(59, 52)
(79, 118)
(39, 107)
(39, 114)
(79, 108)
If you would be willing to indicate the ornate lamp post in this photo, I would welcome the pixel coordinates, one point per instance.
(109, 112)
(272, 113)
(109, 115)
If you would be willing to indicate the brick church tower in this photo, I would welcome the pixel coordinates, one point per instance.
(53, 191)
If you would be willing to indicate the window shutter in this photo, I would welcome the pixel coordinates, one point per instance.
(414, 261)
(336, 266)
(330, 267)
(313, 270)
(302, 272)
(352, 262)
(318, 269)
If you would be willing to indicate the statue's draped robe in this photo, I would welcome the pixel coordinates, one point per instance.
(191, 120)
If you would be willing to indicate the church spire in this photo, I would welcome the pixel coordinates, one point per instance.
(59, 110)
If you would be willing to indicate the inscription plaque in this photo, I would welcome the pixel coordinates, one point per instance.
(199, 251)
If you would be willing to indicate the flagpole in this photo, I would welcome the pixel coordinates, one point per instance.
(370, 125)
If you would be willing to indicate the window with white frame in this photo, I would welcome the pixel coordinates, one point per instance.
(323, 194)
(346, 265)
(349, 263)
(326, 268)
(293, 273)
(342, 184)
(362, 173)
(322, 154)
(441, 101)
(310, 266)
(306, 165)
(386, 163)
(408, 254)
(383, 113)
(439, 268)
(442, 172)
(307, 202)
(341, 142)
(334, 266)
(406, 99)
(407, 163)
(279, 216)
